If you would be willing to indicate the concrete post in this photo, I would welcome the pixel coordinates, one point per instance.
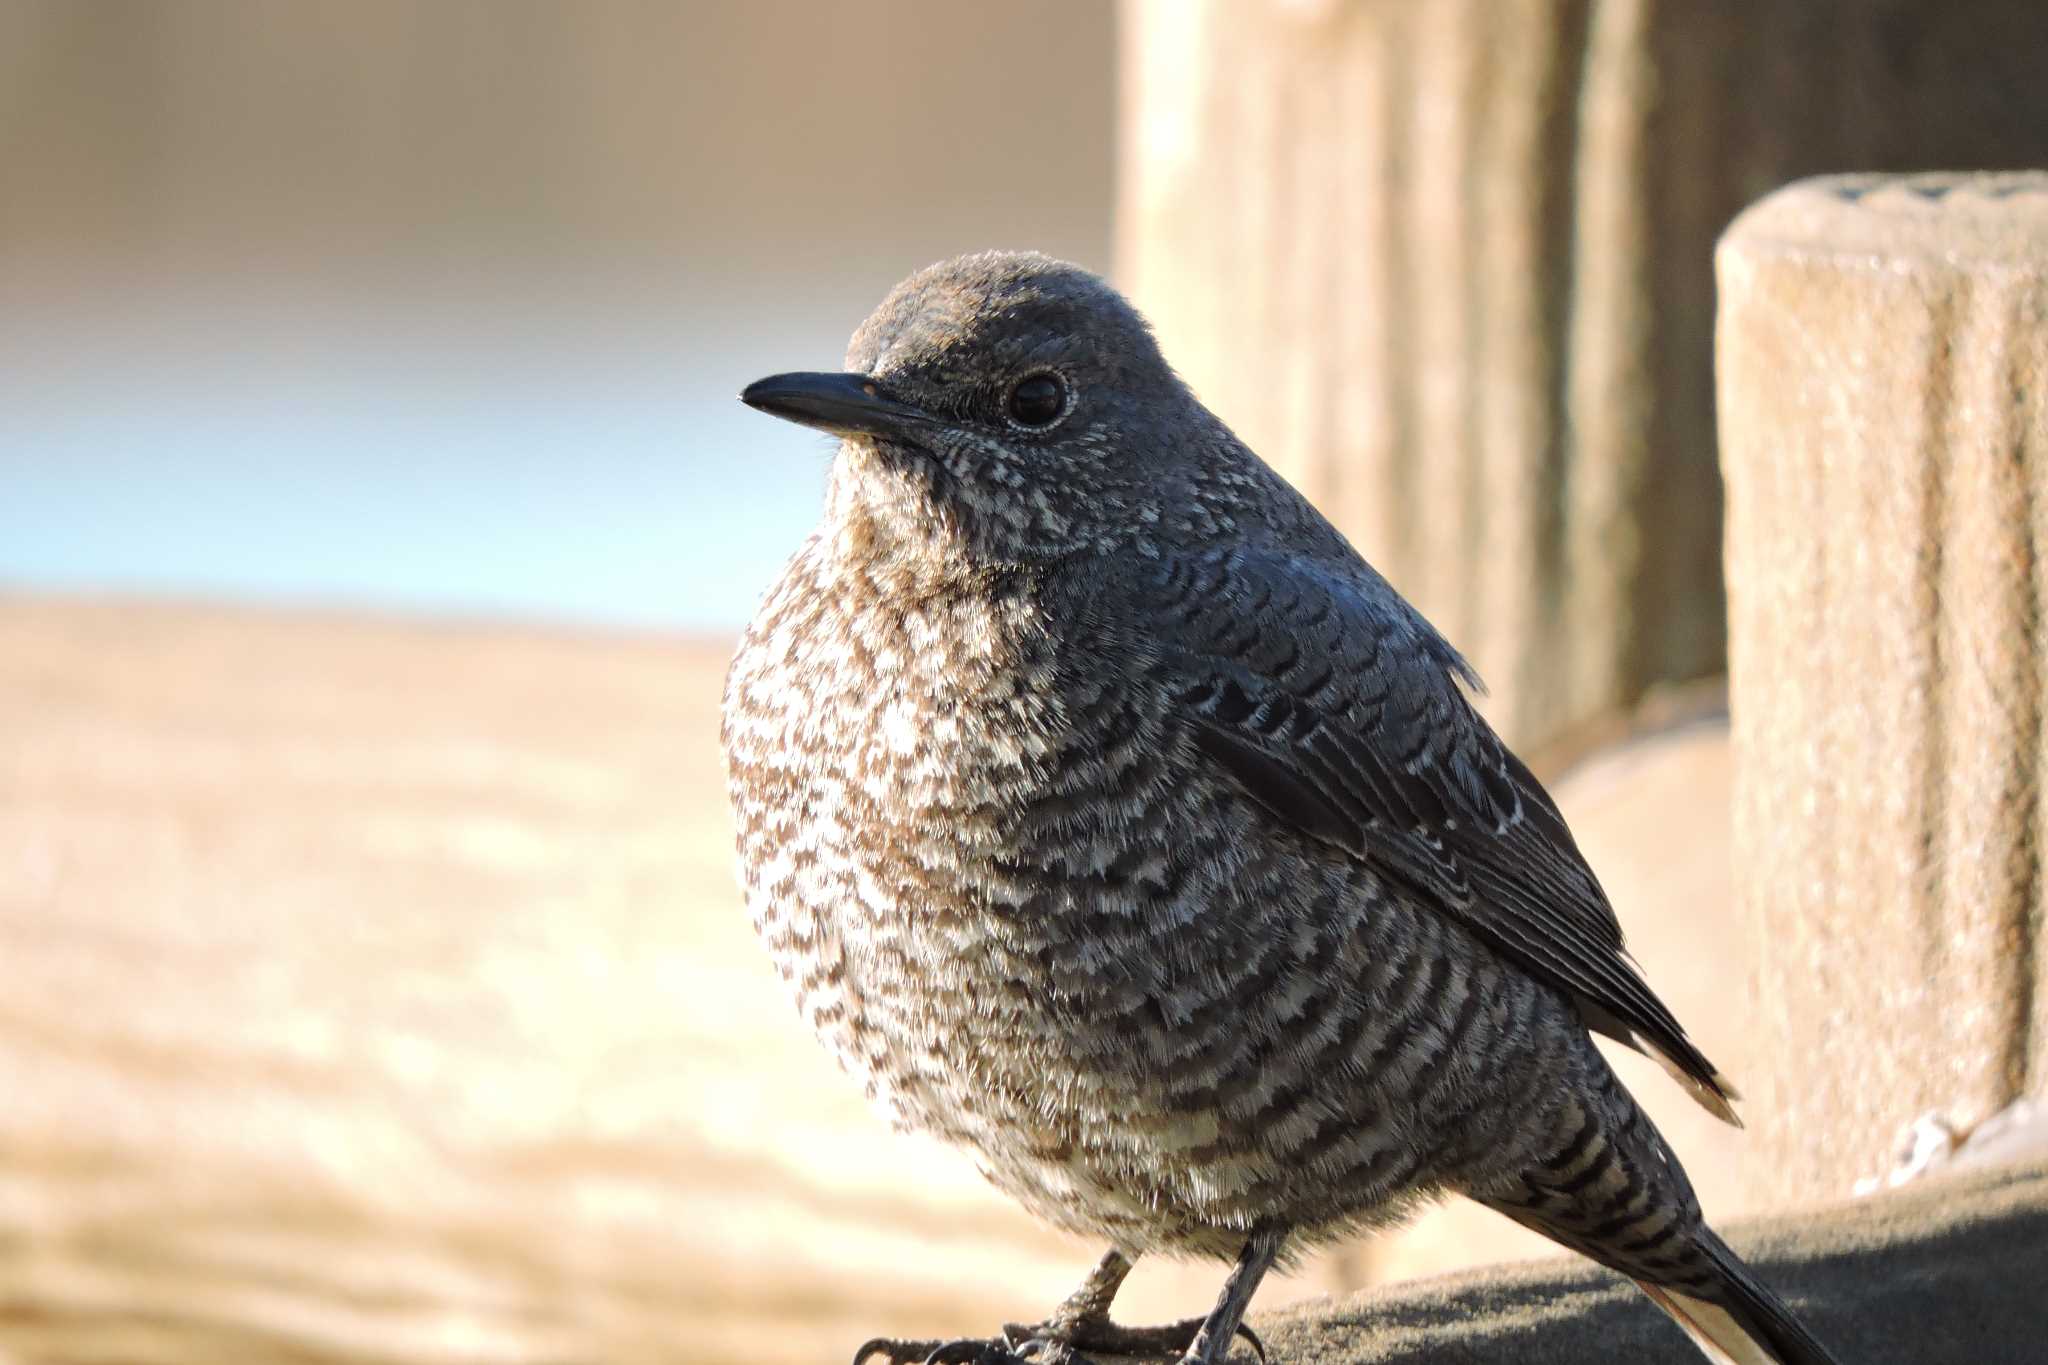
(1447, 263)
(1883, 379)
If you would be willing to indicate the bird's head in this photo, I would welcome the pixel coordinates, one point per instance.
(1009, 408)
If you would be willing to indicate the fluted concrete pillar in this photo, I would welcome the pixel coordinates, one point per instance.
(1447, 263)
(1883, 372)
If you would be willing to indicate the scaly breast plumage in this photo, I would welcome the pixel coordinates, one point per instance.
(872, 759)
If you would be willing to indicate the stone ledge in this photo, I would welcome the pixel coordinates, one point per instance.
(1946, 1271)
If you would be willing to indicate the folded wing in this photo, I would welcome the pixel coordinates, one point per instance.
(1340, 710)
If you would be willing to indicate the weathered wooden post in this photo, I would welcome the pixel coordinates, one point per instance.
(1446, 262)
(1883, 372)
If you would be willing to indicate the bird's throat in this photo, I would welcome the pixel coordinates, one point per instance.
(892, 512)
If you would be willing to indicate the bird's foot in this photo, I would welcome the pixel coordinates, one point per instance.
(1053, 1343)
(960, 1351)
(1049, 1343)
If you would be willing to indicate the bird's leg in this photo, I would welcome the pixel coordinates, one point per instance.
(1226, 1319)
(1086, 1307)
(1050, 1341)
(1082, 1323)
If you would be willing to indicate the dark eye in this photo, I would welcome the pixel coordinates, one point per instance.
(1037, 400)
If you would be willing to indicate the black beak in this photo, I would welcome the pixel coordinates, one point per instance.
(840, 403)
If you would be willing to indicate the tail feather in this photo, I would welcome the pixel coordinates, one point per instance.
(1745, 1324)
(1604, 1183)
(1712, 1328)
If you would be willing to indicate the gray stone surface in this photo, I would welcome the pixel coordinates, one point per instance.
(1447, 264)
(1946, 1271)
(1883, 354)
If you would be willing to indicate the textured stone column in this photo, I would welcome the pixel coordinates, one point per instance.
(1883, 374)
(1448, 264)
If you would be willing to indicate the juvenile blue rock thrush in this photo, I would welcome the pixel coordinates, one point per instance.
(1109, 815)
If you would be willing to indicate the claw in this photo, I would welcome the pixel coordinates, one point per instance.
(896, 1351)
(1042, 1350)
(958, 1351)
(970, 1351)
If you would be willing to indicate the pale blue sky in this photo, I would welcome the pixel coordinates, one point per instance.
(443, 308)
(532, 471)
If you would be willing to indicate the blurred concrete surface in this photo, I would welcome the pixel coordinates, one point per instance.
(380, 991)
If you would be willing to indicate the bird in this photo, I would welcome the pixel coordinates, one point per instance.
(1108, 815)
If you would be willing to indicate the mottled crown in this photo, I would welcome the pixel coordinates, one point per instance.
(996, 309)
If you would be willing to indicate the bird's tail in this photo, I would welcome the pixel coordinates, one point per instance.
(1737, 1321)
(1608, 1188)
(1716, 1300)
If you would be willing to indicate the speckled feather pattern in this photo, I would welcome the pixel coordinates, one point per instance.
(1107, 815)
(1161, 1028)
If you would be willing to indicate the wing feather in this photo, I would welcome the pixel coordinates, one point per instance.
(1342, 713)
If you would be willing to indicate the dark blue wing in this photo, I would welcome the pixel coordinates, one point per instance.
(1339, 710)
